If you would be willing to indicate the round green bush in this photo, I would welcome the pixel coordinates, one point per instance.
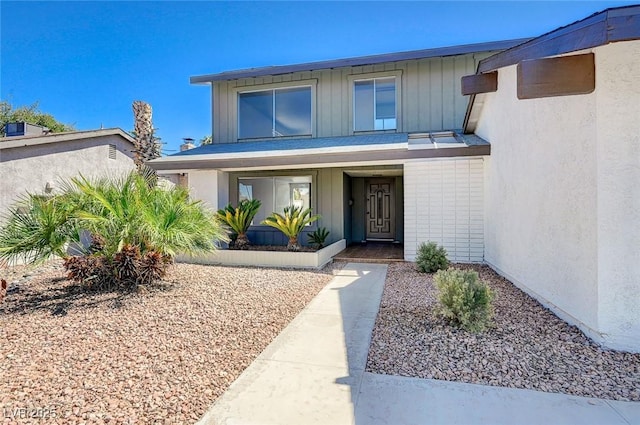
(431, 258)
(464, 300)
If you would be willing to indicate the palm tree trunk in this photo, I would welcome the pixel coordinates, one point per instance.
(293, 244)
(146, 147)
(242, 241)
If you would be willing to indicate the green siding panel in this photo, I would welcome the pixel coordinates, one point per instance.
(431, 99)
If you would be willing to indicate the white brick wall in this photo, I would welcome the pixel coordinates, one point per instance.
(443, 202)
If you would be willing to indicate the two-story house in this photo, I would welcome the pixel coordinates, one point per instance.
(524, 155)
(370, 143)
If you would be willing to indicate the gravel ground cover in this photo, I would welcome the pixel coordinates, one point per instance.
(161, 355)
(529, 347)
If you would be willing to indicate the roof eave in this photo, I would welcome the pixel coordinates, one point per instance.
(23, 141)
(608, 26)
(357, 61)
(325, 160)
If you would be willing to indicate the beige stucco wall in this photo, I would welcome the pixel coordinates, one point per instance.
(561, 196)
(29, 168)
(618, 173)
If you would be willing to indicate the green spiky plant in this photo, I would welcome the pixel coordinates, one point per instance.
(318, 237)
(239, 219)
(133, 223)
(291, 223)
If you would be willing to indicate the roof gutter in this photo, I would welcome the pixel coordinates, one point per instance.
(357, 61)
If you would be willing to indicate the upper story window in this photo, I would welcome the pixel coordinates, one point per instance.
(374, 104)
(274, 113)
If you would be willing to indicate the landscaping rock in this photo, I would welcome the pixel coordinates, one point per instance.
(528, 347)
(162, 355)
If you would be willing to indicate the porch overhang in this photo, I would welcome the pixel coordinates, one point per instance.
(376, 149)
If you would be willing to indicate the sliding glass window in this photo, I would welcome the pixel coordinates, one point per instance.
(374, 104)
(274, 113)
(275, 193)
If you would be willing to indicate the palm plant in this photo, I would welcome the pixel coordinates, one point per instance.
(318, 237)
(132, 221)
(37, 228)
(134, 211)
(239, 219)
(291, 223)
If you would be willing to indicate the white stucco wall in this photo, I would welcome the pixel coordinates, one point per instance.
(443, 203)
(29, 168)
(561, 196)
(618, 135)
(209, 186)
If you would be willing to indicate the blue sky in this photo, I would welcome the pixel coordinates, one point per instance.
(86, 62)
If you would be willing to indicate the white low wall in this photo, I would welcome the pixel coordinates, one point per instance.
(301, 260)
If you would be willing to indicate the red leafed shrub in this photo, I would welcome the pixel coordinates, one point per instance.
(127, 269)
(153, 266)
(90, 270)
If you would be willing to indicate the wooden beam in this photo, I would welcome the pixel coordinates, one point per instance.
(562, 76)
(480, 83)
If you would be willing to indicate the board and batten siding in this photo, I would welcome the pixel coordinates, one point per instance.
(326, 199)
(443, 203)
(430, 98)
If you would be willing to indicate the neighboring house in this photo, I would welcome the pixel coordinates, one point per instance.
(37, 162)
(541, 181)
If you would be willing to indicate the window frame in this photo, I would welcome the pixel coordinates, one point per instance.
(352, 79)
(313, 202)
(237, 91)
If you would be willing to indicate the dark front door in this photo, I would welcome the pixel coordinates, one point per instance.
(380, 215)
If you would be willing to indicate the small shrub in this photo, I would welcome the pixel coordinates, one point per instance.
(126, 265)
(464, 300)
(89, 270)
(153, 266)
(431, 258)
(127, 269)
(318, 237)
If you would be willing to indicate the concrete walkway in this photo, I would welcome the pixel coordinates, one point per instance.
(313, 373)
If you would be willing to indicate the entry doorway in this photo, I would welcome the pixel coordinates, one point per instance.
(380, 221)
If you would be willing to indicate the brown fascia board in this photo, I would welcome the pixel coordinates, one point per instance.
(601, 28)
(358, 61)
(335, 159)
(608, 26)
